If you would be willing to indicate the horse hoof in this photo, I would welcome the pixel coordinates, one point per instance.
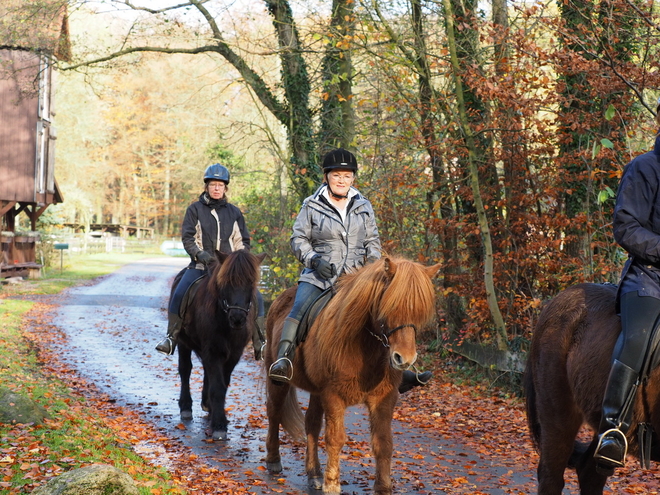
(186, 415)
(331, 488)
(219, 435)
(274, 467)
(315, 483)
(205, 408)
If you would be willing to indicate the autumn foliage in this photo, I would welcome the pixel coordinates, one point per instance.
(554, 99)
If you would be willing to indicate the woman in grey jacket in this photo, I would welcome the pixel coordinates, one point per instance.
(335, 233)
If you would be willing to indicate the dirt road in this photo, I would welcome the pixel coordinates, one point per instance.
(112, 328)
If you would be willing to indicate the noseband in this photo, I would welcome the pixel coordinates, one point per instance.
(226, 307)
(385, 334)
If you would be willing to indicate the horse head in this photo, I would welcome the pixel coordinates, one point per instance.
(407, 304)
(236, 276)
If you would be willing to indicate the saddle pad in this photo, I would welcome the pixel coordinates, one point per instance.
(311, 313)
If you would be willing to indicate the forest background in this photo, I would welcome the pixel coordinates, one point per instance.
(490, 135)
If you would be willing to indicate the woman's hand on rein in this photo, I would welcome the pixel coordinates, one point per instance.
(324, 268)
(203, 257)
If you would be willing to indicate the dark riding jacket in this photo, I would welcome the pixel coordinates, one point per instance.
(348, 244)
(209, 225)
(636, 223)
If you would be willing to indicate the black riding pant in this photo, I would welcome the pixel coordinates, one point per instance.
(639, 316)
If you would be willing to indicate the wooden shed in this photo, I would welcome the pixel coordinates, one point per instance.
(33, 34)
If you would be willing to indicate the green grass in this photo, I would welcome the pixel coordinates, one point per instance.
(78, 432)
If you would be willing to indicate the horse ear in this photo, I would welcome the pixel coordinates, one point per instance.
(220, 256)
(261, 257)
(390, 266)
(432, 271)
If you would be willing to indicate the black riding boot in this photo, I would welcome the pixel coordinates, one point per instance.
(413, 379)
(258, 338)
(282, 369)
(168, 344)
(616, 416)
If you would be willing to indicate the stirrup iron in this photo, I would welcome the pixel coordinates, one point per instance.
(613, 432)
(281, 378)
(169, 341)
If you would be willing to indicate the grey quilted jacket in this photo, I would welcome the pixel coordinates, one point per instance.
(348, 244)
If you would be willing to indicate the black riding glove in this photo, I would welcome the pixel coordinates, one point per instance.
(203, 257)
(324, 268)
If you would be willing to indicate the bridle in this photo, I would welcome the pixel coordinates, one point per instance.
(385, 333)
(226, 307)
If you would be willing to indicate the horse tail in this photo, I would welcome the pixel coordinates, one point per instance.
(293, 420)
(530, 404)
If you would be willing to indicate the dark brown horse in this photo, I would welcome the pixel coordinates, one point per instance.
(215, 327)
(355, 352)
(567, 370)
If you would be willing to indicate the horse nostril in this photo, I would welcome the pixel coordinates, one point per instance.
(397, 360)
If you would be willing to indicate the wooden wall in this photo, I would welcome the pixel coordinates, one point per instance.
(26, 137)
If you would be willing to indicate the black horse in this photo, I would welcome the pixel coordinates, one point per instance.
(216, 328)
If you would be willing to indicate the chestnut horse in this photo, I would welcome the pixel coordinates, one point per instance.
(567, 369)
(215, 327)
(355, 352)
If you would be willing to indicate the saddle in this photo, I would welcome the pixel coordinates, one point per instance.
(648, 446)
(312, 312)
(189, 296)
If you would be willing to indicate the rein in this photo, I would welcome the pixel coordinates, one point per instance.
(226, 307)
(384, 336)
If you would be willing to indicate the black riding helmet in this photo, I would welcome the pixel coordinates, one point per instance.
(216, 172)
(339, 158)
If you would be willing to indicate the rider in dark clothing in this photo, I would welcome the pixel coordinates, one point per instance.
(636, 228)
(211, 223)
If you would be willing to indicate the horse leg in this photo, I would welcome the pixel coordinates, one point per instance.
(381, 410)
(335, 438)
(185, 367)
(228, 368)
(591, 481)
(313, 424)
(217, 392)
(205, 394)
(276, 395)
(560, 423)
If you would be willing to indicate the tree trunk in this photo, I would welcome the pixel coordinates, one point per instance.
(337, 115)
(491, 296)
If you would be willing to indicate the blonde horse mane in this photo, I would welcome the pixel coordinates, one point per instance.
(373, 294)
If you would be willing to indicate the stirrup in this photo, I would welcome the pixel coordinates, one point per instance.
(161, 346)
(259, 353)
(615, 434)
(281, 378)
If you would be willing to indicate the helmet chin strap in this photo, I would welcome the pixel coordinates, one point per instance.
(336, 196)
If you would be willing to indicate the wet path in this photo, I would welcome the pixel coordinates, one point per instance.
(113, 327)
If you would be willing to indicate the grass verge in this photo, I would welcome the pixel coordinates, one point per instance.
(80, 431)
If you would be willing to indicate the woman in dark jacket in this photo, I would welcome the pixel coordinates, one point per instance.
(335, 233)
(636, 226)
(211, 223)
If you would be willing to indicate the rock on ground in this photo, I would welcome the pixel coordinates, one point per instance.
(98, 479)
(17, 408)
